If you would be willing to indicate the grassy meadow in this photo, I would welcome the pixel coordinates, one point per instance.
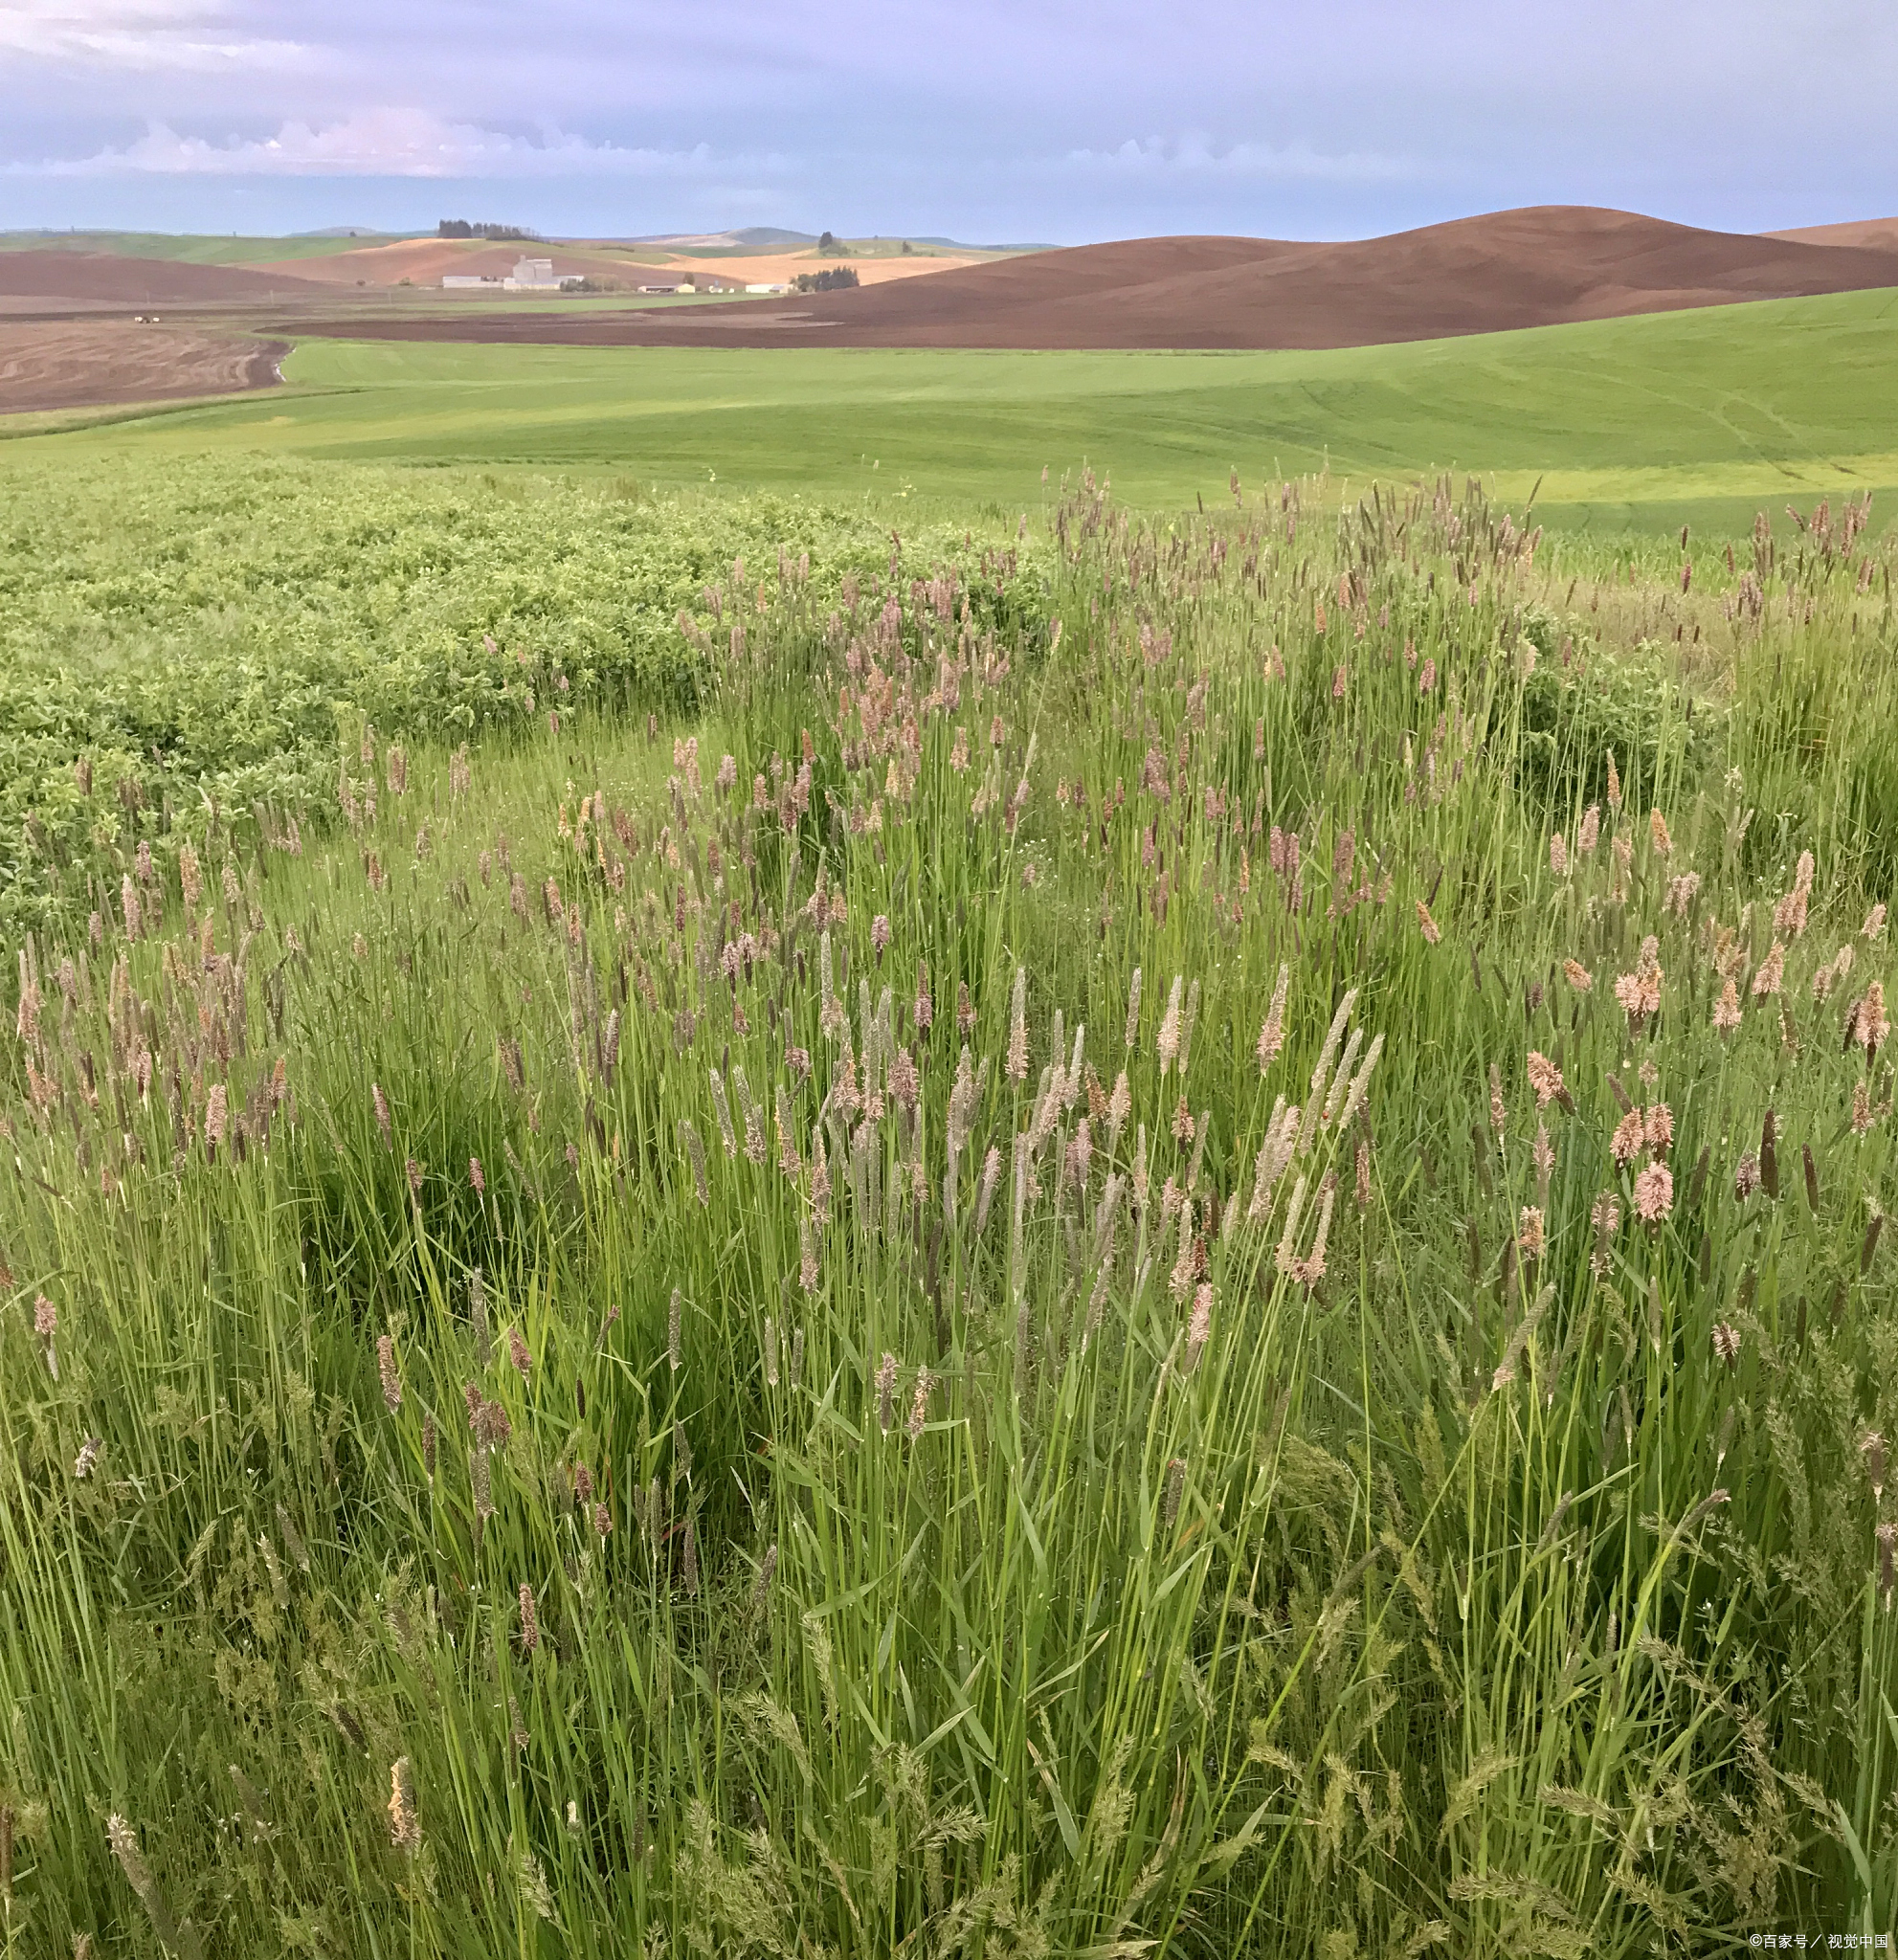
(729, 1229)
(771, 1190)
(1698, 418)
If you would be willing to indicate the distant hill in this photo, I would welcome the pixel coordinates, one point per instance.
(1510, 269)
(422, 261)
(754, 239)
(771, 237)
(1878, 234)
(960, 245)
(1523, 268)
(757, 235)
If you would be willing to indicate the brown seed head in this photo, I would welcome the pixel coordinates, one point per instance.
(1543, 1077)
(391, 1382)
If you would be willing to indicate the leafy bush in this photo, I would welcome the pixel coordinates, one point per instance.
(208, 636)
(1630, 707)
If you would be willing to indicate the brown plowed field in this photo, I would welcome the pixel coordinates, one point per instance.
(72, 363)
(1511, 269)
(116, 279)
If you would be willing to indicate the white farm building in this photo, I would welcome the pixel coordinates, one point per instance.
(529, 276)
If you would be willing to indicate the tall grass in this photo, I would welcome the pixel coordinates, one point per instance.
(1098, 1290)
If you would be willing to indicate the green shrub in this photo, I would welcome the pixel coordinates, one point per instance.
(1630, 707)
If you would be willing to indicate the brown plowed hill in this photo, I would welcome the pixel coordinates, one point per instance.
(116, 278)
(1876, 235)
(1510, 269)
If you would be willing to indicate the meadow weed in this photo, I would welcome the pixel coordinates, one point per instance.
(644, 1355)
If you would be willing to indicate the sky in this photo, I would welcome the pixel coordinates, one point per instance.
(989, 121)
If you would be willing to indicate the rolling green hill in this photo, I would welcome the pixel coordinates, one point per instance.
(1700, 416)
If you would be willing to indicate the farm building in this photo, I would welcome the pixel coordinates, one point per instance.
(528, 275)
(531, 276)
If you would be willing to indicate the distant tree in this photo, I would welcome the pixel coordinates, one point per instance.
(906, 247)
(827, 243)
(461, 227)
(834, 279)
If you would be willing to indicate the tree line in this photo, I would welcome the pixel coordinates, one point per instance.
(461, 227)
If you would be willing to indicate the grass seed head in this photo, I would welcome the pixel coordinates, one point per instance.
(1654, 1194)
(405, 1824)
(1016, 1067)
(1870, 1026)
(1200, 1328)
(1871, 1446)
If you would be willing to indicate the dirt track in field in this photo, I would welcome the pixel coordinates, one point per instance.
(1510, 269)
(74, 364)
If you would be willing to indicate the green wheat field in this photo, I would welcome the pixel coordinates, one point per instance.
(755, 1217)
(1648, 423)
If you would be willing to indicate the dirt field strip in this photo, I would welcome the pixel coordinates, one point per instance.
(79, 364)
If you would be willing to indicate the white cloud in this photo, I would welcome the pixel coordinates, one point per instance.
(138, 35)
(392, 143)
(1161, 159)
